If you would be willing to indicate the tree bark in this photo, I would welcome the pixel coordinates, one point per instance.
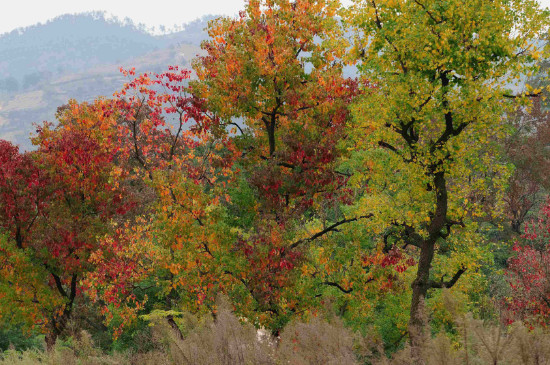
(175, 327)
(418, 321)
(51, 339)
(418, 318)
(59, 324)
(271, 135)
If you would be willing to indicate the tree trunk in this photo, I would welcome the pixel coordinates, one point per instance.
(51, 339)
(271, 136)
(59, 324)
(175, 327)
(418, 321)
(516, 225)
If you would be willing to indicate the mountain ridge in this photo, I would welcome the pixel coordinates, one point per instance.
(79, 56)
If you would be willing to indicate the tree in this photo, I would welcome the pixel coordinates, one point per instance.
(440, 71)
(22, 191)
(274, 75)
(23, 199)
(528, 149)
(528, 273)
(180, 162)
(57, 201)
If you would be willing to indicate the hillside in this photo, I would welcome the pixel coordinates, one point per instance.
(78, 56)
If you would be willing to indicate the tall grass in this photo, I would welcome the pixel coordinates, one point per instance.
(226, 340)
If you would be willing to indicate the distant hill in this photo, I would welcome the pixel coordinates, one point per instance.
(78, 56)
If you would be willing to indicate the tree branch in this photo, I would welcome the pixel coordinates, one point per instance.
(447, 284)
(535, 95)
(59, 285)
(336, 285)
(388, 146)
(429, 13)
(331, 228)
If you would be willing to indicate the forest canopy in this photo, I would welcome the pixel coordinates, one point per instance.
(406, 204)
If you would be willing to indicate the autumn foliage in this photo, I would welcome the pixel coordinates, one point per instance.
(528, 272)
(57, 200)
(268, 176)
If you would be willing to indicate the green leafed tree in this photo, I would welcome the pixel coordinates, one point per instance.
(441, 74)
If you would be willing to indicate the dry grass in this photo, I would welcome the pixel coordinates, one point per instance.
(228, 341)
(317, 343)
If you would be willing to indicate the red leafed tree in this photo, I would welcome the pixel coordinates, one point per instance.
(22, 192)
(56, 202)
(528, 272)
(181, 159)
(160, 120)
(529, 152)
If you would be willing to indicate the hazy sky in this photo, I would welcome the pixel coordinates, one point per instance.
(21, 13)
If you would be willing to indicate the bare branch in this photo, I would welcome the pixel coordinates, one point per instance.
(447, 284)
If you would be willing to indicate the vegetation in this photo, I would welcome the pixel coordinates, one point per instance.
(273, 210)
(78, 56)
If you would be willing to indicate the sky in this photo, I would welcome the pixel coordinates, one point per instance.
(22, 13)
